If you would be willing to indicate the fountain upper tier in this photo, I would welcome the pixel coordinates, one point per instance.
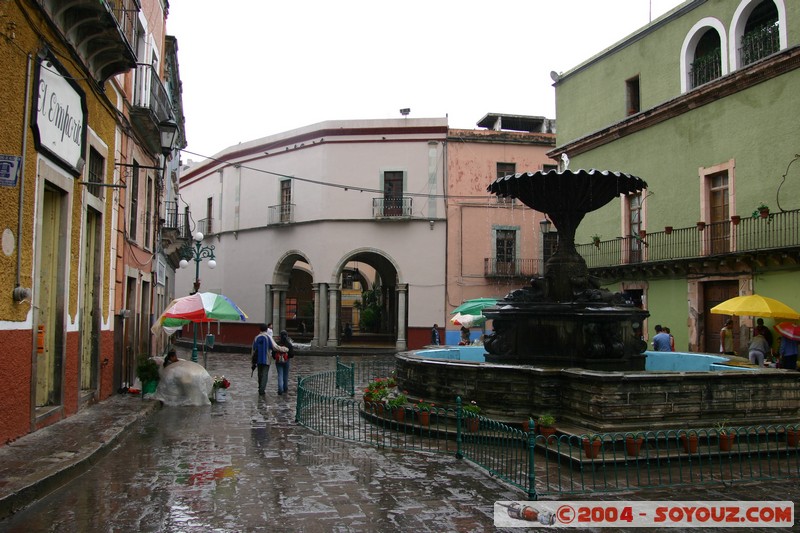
(566, 318)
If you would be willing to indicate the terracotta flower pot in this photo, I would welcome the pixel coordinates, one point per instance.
(424, 418)
(633, 445)
(591, 448)
(473, 424)
(642, 233)
(548, 432)
(399, 414)
(726, 442)
(735, 219)
(792, 437)
(668, 230)
(689, 443)
(701, 226)
(763, 213)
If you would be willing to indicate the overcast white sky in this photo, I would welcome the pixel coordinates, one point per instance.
(253, 68)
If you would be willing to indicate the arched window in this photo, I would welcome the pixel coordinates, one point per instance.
(758, 30)
(707, 64)
(704, 55)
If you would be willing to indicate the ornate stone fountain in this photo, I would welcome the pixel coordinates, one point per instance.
(564, 346)
(565, 319)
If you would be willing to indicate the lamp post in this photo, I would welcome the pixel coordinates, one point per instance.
(197, 253)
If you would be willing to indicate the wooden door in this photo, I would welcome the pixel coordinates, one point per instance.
(720, 229)
(714, 293)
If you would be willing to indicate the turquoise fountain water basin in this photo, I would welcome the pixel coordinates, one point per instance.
(656, 361)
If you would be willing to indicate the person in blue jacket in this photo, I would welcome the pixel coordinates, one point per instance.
(263, 346)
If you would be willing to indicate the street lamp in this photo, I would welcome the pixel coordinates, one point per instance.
(197, 253)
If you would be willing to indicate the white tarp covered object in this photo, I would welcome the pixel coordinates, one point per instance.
(183, 383)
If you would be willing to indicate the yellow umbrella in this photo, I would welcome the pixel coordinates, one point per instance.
(755, 305)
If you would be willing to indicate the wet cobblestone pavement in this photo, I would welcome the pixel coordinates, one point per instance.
(245, 465)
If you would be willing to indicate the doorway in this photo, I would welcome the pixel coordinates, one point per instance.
(714, 293)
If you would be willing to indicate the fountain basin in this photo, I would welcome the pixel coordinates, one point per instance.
(602, 401)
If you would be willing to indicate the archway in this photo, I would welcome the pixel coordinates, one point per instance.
(371, 304)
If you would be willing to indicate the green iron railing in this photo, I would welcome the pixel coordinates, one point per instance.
(537, 464)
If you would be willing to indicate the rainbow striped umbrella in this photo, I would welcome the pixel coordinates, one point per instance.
(198, 307)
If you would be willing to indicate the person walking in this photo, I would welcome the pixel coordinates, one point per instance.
(464, 336)
(758, 349)
(726, 338)
(788, 353)
(263, 346)
(435, 335)
(661, 341)
(282, 361)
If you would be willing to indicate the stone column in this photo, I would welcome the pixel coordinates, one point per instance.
(333, 315)
(322, 318)
(267, 303)
(278, 308)
(402, 298)
(315, 340)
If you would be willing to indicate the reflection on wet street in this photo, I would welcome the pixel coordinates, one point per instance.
(244, 465)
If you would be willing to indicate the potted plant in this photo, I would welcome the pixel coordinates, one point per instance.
(735, 219)
(726, 436)
(761, 211)
(596, 240)
(472, 420)
(701, 226)
(642, 233)
(689, 441)
(219, 389)
(424, 412)
(397, 404)
(376, 391)
(147, 372)
(591, 445)
(547, 426)
(633, 443)
(668, 230)
(792, 436)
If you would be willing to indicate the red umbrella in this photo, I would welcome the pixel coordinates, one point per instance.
(788, 330)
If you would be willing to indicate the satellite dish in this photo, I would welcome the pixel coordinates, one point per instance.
(554, 75)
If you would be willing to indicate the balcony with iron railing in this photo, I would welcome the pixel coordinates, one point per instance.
(706, 68)
(177, 220)
(175, 232)
(392, 207)
(280, 214)
(776, 233)
(151, 105)
(206, 226)
(515, 268)
(102, 32)
(759, 43)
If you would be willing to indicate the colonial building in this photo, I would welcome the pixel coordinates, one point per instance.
(298, 220)
(81, 159)
(700, 104)
(380, 225)
(494, 245)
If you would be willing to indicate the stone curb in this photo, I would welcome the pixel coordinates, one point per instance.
(39, 463)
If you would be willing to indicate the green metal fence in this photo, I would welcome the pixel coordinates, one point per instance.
(328, 402)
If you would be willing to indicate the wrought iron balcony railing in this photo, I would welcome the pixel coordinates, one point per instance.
(149, 92)
(517, 268)
(280, 214)
(392, 207)
(775, 232)
(206, 226)
(759, 43)
(706, 68)
(174, 219)
(102, 32)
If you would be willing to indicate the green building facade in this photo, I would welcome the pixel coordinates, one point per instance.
(702, 104)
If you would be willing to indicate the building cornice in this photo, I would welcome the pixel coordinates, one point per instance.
(775, 65)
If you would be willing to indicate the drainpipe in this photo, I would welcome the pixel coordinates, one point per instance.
(21, 293)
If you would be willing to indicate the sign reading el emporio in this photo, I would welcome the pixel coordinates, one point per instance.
(59, 118)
